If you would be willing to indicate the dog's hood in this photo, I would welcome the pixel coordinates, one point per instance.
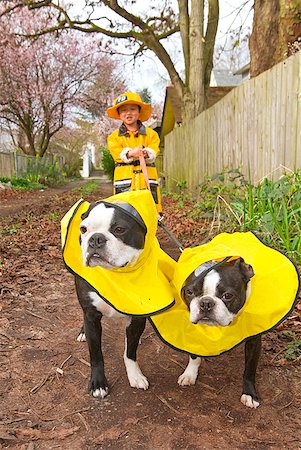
(274, 290)
(143, 289)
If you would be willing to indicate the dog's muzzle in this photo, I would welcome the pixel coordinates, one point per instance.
(96, 251)
(202, 310)
(206, 305)
(210, 311)
(97, 241)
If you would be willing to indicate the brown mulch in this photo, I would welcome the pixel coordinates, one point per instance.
(44, 402)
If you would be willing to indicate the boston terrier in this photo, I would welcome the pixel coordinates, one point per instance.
(215, 294)
(110, 238)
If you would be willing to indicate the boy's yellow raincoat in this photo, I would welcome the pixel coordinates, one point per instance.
(274, 289)
(143, 289)
(129, 176)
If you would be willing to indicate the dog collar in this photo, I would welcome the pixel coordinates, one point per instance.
(274, 291)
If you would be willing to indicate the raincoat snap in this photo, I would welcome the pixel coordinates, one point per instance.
(274, 290)
(140, 290)
(129, 176)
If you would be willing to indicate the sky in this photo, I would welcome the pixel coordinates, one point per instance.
(149, 73)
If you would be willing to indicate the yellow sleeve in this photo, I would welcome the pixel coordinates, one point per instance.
(115, 146)
(152, 140)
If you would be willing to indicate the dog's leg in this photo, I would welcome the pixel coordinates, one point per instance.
(252, 353)
(98, 385)
(189, 376)
(133, 333)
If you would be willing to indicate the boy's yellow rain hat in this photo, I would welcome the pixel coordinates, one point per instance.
(133, 99)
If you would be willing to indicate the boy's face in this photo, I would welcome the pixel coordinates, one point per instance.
(129, 114)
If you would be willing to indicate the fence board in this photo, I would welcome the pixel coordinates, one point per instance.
(15, 164)
(7, 165)
(257, 126)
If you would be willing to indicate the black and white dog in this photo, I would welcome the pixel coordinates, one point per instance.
(215, 296)
(110, 238)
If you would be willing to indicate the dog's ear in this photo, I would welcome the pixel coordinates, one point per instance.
(86, 213)
(245, 269)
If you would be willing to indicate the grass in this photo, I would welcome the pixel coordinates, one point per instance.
(292, 351)
(9, 230)
(22, 183)
(88, 188)
(272, 209)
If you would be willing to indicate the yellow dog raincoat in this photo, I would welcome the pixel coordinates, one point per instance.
(274, 290)
(143, 289)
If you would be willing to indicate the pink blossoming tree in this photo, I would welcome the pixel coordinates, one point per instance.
(45, 81)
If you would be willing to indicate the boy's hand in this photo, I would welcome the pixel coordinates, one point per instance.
(134, 152)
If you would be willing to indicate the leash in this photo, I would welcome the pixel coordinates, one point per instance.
(172, 237)
(160, 223)
(144, 169)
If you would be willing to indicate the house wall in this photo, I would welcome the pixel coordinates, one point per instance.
(257, 126)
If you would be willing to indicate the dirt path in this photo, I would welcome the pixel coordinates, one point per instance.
(44, 403)
(12, 202)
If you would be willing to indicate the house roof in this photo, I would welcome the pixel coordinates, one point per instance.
(225, 78)
(244, 69)
(171, 111)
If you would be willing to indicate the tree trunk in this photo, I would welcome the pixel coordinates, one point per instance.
(289, 27)
(276, 25)
(26, 142)
(200, 60)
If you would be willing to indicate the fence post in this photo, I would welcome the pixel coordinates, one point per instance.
(16, 165)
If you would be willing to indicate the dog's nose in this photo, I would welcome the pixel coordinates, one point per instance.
(206, 304)
(98, 240)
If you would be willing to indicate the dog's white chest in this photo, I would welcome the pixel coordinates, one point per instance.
(103, 307)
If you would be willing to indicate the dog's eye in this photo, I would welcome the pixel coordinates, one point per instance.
(83, 229)
(119, 230)
(189, 292)
(227, 296)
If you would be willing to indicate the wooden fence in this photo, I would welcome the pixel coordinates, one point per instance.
(256, 127)
(14, 165)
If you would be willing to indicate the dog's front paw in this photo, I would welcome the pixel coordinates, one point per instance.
(135, 376)
(100, 392)
(249, 401)
(187, 379)
(98, 386)
(139, 381)
(189, 376)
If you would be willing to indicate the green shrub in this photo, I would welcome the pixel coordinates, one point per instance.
(42, 170)
(272, 209)
(22, 183)
(107, 162)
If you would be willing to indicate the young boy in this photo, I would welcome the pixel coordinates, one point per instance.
(124, 145)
